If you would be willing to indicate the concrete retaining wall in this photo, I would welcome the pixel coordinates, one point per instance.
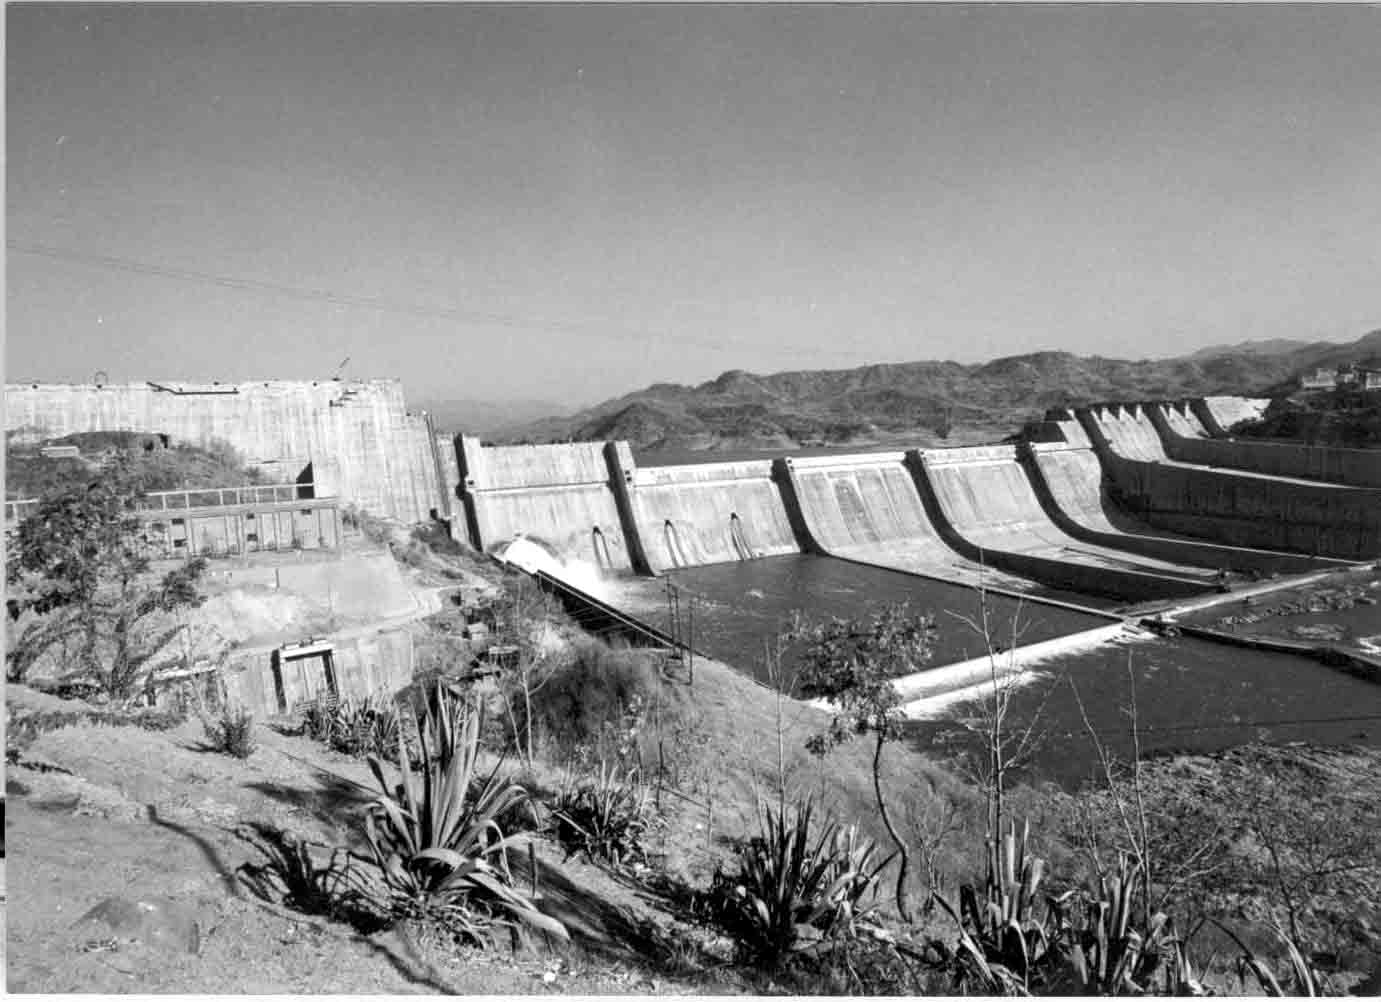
(361, 443)
(364, 665)
(1187, 440)
(1237, 508)
(1068, 481)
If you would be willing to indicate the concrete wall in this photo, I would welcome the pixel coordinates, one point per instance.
(850, 501)
(558, 494)
(1235, 508)
(1127, 428)
(366, 664)
(687, 516)
(1068, 480)
(1219, 414)
(361, 443)
(985, 506)
(1187, 440)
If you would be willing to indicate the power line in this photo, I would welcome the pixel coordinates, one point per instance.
(331, 298)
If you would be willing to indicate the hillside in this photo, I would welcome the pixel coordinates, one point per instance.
(929, 402)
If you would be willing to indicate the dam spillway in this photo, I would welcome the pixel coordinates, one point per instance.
(1237, 507)
(989, 507)
(689, 516)
(1053, 517)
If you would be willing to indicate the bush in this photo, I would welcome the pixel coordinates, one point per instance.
(362, 727)
(582, 700)
(798, 889)
(606, 818)
(437, 839)
(232, 732)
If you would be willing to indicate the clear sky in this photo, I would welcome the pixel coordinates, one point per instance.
(570, 202)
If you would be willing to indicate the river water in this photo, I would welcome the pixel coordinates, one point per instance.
(746, 601)
(1192, 695)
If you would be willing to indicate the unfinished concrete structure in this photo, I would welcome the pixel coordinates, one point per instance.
(353, 440)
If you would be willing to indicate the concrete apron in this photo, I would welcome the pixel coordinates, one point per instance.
(927, 693)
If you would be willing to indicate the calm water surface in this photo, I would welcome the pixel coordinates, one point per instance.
(1192, 695)
(740, 604)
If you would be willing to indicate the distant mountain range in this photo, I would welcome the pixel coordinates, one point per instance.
(925, 403)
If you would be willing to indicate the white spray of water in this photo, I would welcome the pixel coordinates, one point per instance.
(529, 556)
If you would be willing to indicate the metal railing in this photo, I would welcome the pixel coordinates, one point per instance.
(196, 497)
(219, 497)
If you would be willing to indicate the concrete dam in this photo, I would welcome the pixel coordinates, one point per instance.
(1132, 501)
(1089, 503)
(1092, 517)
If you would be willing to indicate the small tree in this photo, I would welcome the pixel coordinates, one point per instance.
(852, 663)
(522, 628)
(81, 563)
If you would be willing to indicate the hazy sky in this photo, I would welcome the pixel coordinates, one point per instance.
(570, 202)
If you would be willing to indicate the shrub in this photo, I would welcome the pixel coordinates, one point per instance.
(1000, 937)
(436, 837)
(606, 818)
(231, 732)
(583, 699)
(363, 727)
(797, 889)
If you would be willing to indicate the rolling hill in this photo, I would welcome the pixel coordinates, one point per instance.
(929, 402)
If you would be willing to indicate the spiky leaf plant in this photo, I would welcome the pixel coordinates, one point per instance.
(796, 887)
(1304, 980)
(1002, 939)
(435, 837)
(1107, 954)
(607, 818)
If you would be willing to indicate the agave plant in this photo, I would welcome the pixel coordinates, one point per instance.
(795, 887)
(1107, 954)
(607, 818)
(1305, 980)
(368, 726)
(435, 837)
(1001, 938)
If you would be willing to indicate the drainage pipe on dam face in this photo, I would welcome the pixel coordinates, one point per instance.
(740, 541)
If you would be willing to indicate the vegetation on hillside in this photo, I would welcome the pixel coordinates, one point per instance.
(80, 593)
(933, 400)
(768, 867)
(149, 462)
(1340, 418)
